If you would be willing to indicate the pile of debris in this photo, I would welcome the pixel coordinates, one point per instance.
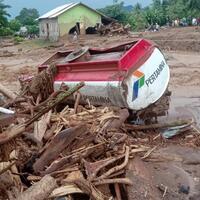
(50, 150)
(114, 28)
(8, 42)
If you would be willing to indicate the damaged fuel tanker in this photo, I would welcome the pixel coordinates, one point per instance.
(134, 75)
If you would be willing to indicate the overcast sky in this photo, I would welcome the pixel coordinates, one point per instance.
(45, 5)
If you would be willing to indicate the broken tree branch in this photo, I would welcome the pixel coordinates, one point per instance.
(117, 123)
(88, 188)
(7, 167)
(117, 191)
(9, 135)
(117, 168)
(75, 157)
(78, 97)
(53, 102)
(7, 92)
(157, 126)
(40, 190)
(92, 173)
(125, 181)
(57, 145)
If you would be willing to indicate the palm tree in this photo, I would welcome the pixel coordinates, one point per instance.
(3, 14)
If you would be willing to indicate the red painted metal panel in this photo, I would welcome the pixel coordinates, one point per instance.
(85, 76)
(136, 54)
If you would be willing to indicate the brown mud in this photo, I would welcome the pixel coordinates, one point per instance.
(174, 169)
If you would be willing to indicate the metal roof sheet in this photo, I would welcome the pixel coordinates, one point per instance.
(57, 11)
(61, 9)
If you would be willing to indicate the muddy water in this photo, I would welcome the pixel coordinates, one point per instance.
(185, 104)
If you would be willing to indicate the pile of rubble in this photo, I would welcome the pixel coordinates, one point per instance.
(114, 28)
(50, 150)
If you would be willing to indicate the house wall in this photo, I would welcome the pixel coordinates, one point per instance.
(79, 13)
(49, 29)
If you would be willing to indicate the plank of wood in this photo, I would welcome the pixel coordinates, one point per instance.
(57, 145)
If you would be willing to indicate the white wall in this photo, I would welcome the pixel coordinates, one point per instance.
(53, 29)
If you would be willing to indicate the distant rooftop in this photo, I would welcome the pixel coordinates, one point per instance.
(57, 11)
(61, 9)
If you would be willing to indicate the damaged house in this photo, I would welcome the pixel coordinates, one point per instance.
(68, 18)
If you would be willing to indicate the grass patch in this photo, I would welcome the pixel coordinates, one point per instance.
(37, 43)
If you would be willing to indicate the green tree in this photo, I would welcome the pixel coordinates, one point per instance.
(15, 25)
(3, 14)
(177, 9)
(137, 18)
(193, 8)
(33, 29)
(115, 11)
(160, 11)
(28, 16)
(157, 4)
(193, 4)
(4, 30)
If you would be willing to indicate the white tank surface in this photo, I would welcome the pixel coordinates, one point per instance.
(133, 75)
(148, 83)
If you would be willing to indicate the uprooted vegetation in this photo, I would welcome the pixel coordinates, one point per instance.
(79, 151)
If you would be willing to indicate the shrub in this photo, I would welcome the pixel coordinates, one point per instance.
(5, 31)
(18, 39)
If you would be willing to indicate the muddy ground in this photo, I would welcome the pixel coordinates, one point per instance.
(176, 168)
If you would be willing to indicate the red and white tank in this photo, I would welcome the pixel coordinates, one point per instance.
(132, 75)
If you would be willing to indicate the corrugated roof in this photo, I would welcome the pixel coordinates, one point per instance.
(61, 9)
(57, 11)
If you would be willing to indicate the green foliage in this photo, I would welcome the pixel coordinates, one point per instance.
(160, 11)
(18, 39)
(33, 29)
(5, 31)
(176, 9)
(3, 15)
(28, 16)
(137, 18)
(115, 11)
(15, 25)
(193, 4)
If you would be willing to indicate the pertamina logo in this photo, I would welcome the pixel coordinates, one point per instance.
(138, 83)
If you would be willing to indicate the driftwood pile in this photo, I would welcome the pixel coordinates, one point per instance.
(114, 28)
(50, 150)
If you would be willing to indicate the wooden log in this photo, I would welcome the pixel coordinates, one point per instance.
(116, 168)
(57, 145)
(117, 191)
(158, 126)
(9, 134)
(40, 126)
(117, 123)
(88, 189)
(17, 130)
(40, 190)
(53, 102)
(75, 157)
(17, 100)
(125, 181)
(7, 92)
